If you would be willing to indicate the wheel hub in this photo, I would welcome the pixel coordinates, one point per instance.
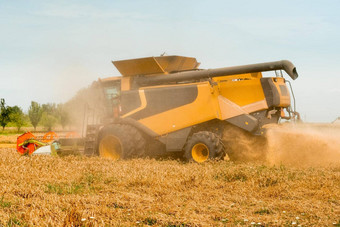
(110, 147)
(200, 152)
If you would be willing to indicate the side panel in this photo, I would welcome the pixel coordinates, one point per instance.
(162, 99)
(189, 111)
(243, 90)
(276, 92)
(283, 91)
(130, 100)
(245, 121)
(175, 141)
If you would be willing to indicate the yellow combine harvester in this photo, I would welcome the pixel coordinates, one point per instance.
(168, 104)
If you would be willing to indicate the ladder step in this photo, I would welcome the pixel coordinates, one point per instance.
(91, 134)
(91, 139)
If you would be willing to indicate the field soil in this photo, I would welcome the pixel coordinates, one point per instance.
(8, 139)
(290, 188)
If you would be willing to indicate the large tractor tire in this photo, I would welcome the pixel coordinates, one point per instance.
(119, 141)
(202, 146)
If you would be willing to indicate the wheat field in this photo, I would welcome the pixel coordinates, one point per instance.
(83, 191)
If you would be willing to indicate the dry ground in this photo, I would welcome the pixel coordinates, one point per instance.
(298, 184)
(47, 190)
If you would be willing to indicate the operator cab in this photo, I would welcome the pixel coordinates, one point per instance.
(111, 88)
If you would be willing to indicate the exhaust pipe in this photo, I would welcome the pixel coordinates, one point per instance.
(285, 65)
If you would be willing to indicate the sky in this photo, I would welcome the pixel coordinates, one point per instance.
(51, 49)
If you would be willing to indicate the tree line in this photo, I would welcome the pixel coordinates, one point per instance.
(47, 115)
(68, 114)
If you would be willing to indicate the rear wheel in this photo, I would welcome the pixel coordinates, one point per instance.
(120, 141)
(202, 146)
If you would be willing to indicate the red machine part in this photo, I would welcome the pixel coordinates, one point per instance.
(28, 148)
(50, 136)
(27, 143)
(72, 135)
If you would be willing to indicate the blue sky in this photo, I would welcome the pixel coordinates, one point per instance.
(51, 49)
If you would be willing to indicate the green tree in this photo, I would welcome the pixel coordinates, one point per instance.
(5, 114)
(34, 113)
(50, 108)
(63, 115)
(50, 115)
(17, 116)
(48, 120)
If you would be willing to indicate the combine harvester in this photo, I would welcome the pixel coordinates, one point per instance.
(167, 104)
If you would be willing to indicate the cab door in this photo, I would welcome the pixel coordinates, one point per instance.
(112, 98)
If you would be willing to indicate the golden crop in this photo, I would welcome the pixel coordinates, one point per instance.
(82, 191)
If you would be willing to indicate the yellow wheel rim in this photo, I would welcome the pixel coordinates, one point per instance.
(200, 152)
(110, 147)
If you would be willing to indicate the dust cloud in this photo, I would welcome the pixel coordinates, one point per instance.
(288, 144)
(243, 146)
(86, 107)
(304, 144)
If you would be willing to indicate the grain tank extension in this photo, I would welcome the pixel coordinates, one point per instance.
(168, 104)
